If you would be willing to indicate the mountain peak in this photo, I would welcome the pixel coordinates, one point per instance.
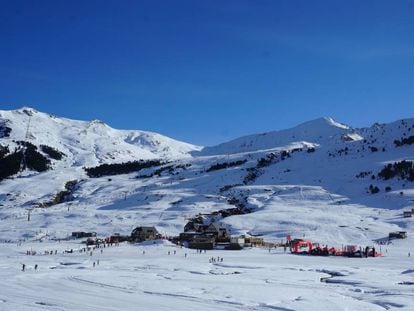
(323, 122)
(316, 131)
(27, 110)
(88, 143)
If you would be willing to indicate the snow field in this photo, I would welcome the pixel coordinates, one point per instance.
(313, 195)
(251, 279)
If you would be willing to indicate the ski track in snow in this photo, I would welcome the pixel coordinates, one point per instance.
(250, 279)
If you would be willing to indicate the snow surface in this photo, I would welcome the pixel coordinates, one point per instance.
(253, 279)
(314, 193)
(314, 132)
(90, 143)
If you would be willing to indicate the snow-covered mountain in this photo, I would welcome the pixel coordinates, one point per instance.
(88, 143)
(321, 180)
(312, 133)
(321, 168)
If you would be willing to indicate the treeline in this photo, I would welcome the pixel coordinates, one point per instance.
(62, 196)
(170, 168)
(10, 164)
(404, 141)
(274, 157)
(121, 168)
(25, 157)
(403, 169)
(52, 152)
(33, 160)
(4, 130)
(3, 151)
(220, 166)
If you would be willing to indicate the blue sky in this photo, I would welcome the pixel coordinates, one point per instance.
(209, 71)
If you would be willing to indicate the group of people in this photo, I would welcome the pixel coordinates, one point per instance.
(88, 249)
(214, 260)
(24, 267)
(51, 252)
(384, 242)
(169, 253)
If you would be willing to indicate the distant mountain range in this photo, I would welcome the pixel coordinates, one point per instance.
(87, 143)
(127, 176)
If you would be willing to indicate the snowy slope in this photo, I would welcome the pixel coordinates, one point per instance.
(320, 163)
(317, 131)
(90, 143)
(145, 277)
(312, 181)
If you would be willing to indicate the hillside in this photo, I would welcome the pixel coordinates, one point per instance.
(312, 180)
(321, 180)
(87, 143)
(315, 132)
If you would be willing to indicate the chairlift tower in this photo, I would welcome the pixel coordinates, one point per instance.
(29, 210)
(125, 194)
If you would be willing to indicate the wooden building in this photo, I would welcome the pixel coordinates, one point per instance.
(397, 235)
(81, 234)
(221, 233)
(140, 234)
(117, 238)
(407, 214)
(202, 242)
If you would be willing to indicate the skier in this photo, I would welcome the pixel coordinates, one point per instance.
(35, 267)
(23, 267)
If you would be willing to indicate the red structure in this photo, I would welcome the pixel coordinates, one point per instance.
(299, 246)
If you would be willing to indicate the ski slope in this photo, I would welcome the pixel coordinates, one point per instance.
(313, 182)
(252, 279)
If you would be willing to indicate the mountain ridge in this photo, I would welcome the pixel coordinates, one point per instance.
(328, 172)
(314, 132)
(74, 137)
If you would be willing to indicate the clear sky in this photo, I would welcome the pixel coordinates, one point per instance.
(209, 71)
